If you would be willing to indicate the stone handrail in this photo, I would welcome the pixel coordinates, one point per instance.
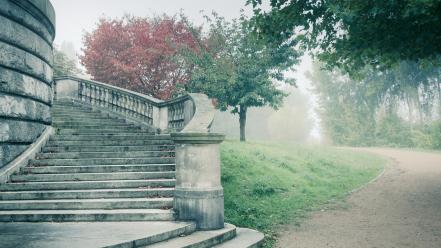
(167, 116)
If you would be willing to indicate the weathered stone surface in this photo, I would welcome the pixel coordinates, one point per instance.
(26, 58)
(24, 38)
(203, 114)
(199, 193)
(25, 109)
(46, 9)
(20, 15)
(9, 151)
(22, 61)
(98, 234)
(20, 131)
(20, 84)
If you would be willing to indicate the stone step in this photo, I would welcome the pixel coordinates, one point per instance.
(87, 194)
(87, 215)
(101, 161)
(104, 131)
(108, 142)
(74, 185)
(83, 204)
(86, 148)
(199, 239)
(96, 126)
(101, 129)
(70, 106)
(92, 176)
(129, 154)
(69, 111)
(82, 117)
(98, 169)
(86, 120)
(115, 137)
(245, 238)
(181, 229)
(76, 111)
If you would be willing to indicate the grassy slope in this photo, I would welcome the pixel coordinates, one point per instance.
(268, 184)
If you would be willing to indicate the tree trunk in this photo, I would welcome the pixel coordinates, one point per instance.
(242, 122)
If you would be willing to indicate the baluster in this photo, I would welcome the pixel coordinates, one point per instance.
(138, 109)
(95, 95)
(89, 93)
(106, 97)
(98, 94)
(116, 101)
(130, 106)
(92, 95)
(101, 91)
(125, 105)
(144, 107)
(120, 103)
(103, 97)
(85, 92)
(150, 114)
(79, 90)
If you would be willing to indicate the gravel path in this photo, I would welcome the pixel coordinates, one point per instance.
(400, 209)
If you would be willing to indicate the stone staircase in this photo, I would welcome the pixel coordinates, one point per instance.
(94, 168)
(97, 168)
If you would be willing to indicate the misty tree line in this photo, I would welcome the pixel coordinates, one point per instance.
(395, 107)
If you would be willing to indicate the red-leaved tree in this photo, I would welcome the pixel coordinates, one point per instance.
(139, 54)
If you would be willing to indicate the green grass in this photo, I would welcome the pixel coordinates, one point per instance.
(270, 184)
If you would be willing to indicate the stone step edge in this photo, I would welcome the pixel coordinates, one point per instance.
(182, 231)
(79, 176)
(87, 215)
(200, 239)
(153, 199)
(245, 238)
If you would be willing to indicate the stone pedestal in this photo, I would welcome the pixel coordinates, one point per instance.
(199, 194)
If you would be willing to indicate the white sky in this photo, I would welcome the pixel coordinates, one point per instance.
(74, 17)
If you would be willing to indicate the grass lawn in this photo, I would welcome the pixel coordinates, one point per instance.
(270, 184)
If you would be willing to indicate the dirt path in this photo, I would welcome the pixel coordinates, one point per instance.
(400, 209)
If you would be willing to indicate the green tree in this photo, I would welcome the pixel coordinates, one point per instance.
(63, 66)
(353, 34)
(346, 109)
(239, 70)
(371, 111)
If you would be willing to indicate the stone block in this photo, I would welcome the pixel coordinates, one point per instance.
(20, 131)
(20, 36)
(11, 10)
(21, 84)
(25, 62)
(24, 109)
(10, 151)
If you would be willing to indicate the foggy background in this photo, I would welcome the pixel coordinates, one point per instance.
(295, 121)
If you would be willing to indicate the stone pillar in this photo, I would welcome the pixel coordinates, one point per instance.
(199, 194)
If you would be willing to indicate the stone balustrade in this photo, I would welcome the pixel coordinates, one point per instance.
(166, 116)
(198, 193)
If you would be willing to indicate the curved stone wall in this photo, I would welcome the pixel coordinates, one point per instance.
(27, 30)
